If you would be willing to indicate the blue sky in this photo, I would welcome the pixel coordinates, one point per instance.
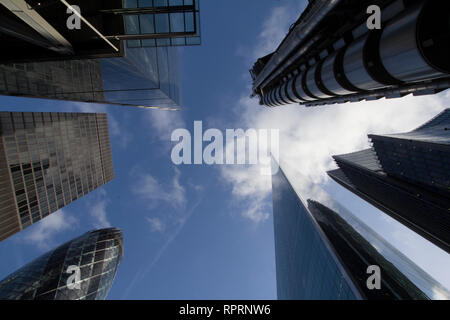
(205, 232)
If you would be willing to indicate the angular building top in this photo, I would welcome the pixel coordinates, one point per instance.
(48, 160)
(323, 251)
(33, 30)
(406, 176)
(94, 256)
(421, 156)
(330, 55)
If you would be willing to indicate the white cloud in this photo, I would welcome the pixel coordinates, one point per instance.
(310, 136)
(156, 224)
(164, 122)
(148, 188)
(42, 232)
(273, 30)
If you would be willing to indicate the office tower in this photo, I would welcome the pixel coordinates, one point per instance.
(323, 251)
(406, 176)
(33, 30)
(48, 160)
(331, 56)
(75, 80)
(96, 255)
(144, 77)
(161, 23)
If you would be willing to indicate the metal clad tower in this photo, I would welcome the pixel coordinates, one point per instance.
(331, 56)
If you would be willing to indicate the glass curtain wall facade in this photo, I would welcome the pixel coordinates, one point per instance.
(421, 156)
(47, 161)
(162, 23)
(306, 266)
(78, 80)
(97, 255)
(145, 76)
(323, 251)
(406, 176)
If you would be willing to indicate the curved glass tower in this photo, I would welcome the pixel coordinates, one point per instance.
(81, 269)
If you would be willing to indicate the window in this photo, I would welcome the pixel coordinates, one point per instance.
(162, 23)
(131, 24)
(147, 23)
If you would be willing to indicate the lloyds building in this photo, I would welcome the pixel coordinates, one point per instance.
(331, 56)
(94, 257)
(48, 160)
(323, 251)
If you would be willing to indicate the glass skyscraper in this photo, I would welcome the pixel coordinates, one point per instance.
(96, 255)
(77, 80)
(43, 30)
(162, 23)
(323, 251)
(48, 160)
(144, 77)
(421, 157)
(406, 176)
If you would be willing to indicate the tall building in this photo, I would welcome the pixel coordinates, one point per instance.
(421, 157)
(323, 251)
(33, 30)
(406, 176)
(123, 52)
(48, 160)
(148, 77)
(143, 77)
(75, 80)
(96, 254)
(331, 56)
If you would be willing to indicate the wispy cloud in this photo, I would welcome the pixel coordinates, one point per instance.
(273, 30)
(42, 233)
(150, 189)
(147, 267)
(156, 224)
(164, 122)
(97, 210)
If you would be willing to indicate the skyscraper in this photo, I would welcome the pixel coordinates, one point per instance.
(406, 176)
(48, 160)
(323, 251)
(144, 77)
(123, 53)
(75, 80)
(332, 54)
(33, 30)
(94, 256)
